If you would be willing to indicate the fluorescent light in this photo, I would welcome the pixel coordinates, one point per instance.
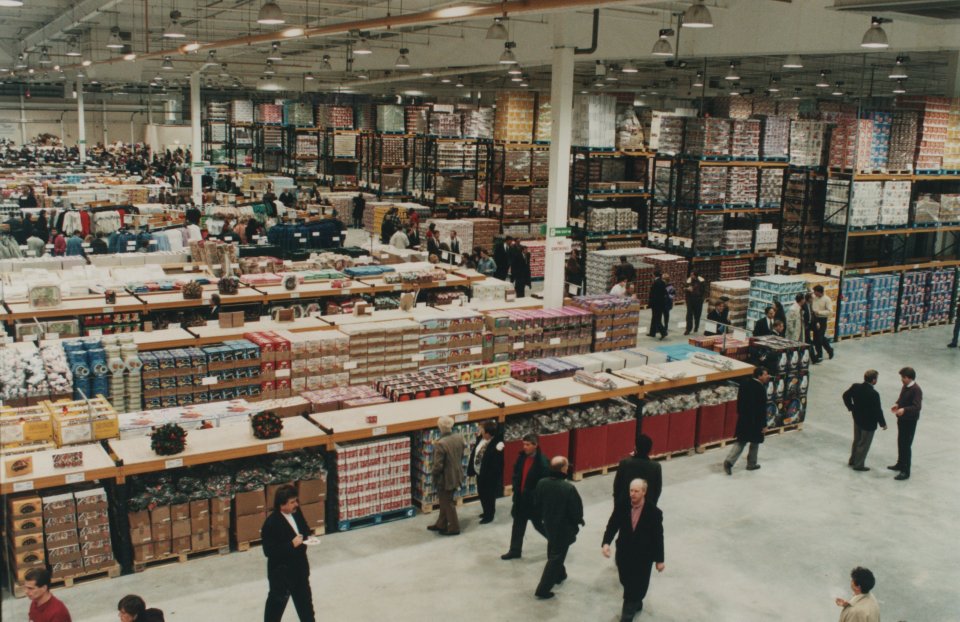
(308, 76)
(361, 48)
(629, 68)
(445, 80)
(698, 82)
(402, 61)
(899, 89)
(174, 31)
(459, 83)
(270, 14)
(515, 70)
(295, 31)
(268, 69)
(86, 62)
(414, 93)
(130, 56)
(733, 74)
(822, 82)
(167, 63)
(497, 30)
(517, 78)
(192, 47)
(72, 48)
(662, 45)
(837, 90)
(457, 11)
(793, 61)
(899, 71)
(875, 37)
(114, 42)
(426, 73)
(275, 54)
(508, 58)
(11, 3)
(697, 16)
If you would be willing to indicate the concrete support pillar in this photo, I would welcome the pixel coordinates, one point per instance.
(23, 121)
(81, 125)
(561, 100)
(103, 118)
(196, 150)
(953, 74)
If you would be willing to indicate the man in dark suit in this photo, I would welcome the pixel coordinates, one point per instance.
(639, 465)
(530, 467)
(764, 326)
(288, 570)
(560, 508)
(659, 306)
(501, 257)
(751, 420)
(638, 526)
(907, 410)
(486, 464)
(864, 402)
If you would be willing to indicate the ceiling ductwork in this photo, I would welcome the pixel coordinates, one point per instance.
(929, 9)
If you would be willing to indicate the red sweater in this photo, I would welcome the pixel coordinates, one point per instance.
(51, 611)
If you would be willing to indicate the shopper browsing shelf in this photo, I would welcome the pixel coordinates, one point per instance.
(863, 607)
(447, 476)
(639, 465)
(638, 527)
(822, 311)
(863, 402)
(751, 420)
(131, 608)
(44, 606)
(530, 466)
(907, 410)
(560, 508)
(288, 571)
(486, 464)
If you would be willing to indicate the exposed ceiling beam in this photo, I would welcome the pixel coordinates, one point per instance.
(83, 11)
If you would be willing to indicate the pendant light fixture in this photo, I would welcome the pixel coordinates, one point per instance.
(129, 55)
(822, 81)
(361, 48)
(774, 86)
(268, 69)
(507, 57)
(114, 42)
(294, 31)
(426, 73)
(733, 74)
(174, 31)
(698, 81)
(875, 37)
(459, 83)
(899, 71)
(838, 89)
(445, 80)
(629, 68)
(223, 71)
(497, 30)
(275, 53)
(793, 61)
(44, 56)
(796, 93)
(515, 70)
(308, 76)
(72, 48)
(735, 88)
(325, 63)
(662, 46)
(21, 61)
(11, 3)
(402, 61)
(270, 14)
(697, 16)
(526, 82)
(899, 89)
(167, 63)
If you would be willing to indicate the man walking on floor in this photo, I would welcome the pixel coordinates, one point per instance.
(822, 310)
(527, 471)
(288, 571)
(638, 526)
(956, 327)
(864, 402)
(907, 410)
(447, 476)
(560, 508)
(638, 466)
(751, 420)
(658, 302)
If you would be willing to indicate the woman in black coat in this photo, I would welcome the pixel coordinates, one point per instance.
(486, 464)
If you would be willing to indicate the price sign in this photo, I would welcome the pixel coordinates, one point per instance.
(476, 350)
(555, 341)
(518, 345)
(601, 335)
(350, 365)
(701, 378)
(208, 380)
(73, 478)
(283, 373)
(295, 294)
(460, 418)
(574, 400)
(379, 431)
(173, 464)
(272, 447)
(23, 486)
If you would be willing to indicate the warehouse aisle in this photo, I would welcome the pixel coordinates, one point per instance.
(776, 544)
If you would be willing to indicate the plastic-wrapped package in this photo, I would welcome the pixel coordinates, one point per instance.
(57, 370)
(569, 418)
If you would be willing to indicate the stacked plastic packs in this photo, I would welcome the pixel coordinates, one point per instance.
(765, 289)
(852, 319)
(390, 118)
(895, 203)
(776, 138)
(596, 118)
(771, 188)
(939, 298)
(806, 143)
(882, 301)
(903, 141)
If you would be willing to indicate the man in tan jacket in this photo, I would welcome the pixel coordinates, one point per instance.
(863, 607)
(447, 476)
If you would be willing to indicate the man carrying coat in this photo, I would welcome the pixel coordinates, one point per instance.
(751, 420)
(527, 471)
(560, 508)
(639, 530)
(486, 464)
(447, 476)
(864, 402)
(288, 570)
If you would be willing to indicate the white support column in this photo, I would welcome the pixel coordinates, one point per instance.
(103, 120)
(23, 121)
(196, 153)
(561, 100)
(81, 124)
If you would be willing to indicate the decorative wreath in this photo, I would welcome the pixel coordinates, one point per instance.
(168, 439)
(192, 290)
(266, 425)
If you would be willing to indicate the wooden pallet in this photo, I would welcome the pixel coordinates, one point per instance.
(376, 519)
(674, 454)
(579, 475)
(245, 546)
(426, 507)
(847, 337)
(180, 557)
(885, 331)
(793, 427)
(714, 445)
(111, 572)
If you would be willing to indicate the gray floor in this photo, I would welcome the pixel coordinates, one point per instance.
(775, 544)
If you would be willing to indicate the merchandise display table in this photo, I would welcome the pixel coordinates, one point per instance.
(378, 284)
(174, 337)
(398, 417)
(228, 442)
(212, 333)
(96, 464)
(311, 290)
(175, 300)
(559, 392)
(695, 374)
(72, 307)
(526, 302)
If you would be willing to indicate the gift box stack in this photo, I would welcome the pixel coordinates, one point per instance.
(317, 360)
(514, 117)
(895, 203)
(806, 143)
(61, 536)
(670, 137)
(382, 348)
(742, 187)
(596, 125)
(745, 139)
(526, 334)
(93, 529)
(334, 117)
(939, 296)
(932, 130)
(882, 293)
(478, 123)
(707, 137)
(903, 141)
(913, 299)
(373, 477)
(852, 318)
(484, 232)
(615, 320)
(776, 138)
(241, 111)
(390, 118)
(600, 266)
(737, 292)
(452, 339)
(951, 148)
(538, 256)
(763, 290)
(420, 385)
(82, 421)
(676, 267)
(771, 188)
(24, 530)
(424, 490)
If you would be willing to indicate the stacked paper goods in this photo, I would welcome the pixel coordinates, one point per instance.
(806, 143)
(895, 203)
(745, 139)
(390, 118)
(742, 186)
(601, 264)
(737, 292)
(771, 187)
(903, 141)
(514, 118)
(544, 119)
(764, 289)
(882, 293)
(707, 137)
(932, 130)
(595, 125)
(776, 138)
(241, 111)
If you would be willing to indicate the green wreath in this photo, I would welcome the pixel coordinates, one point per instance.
(168, 439)
(266, 425)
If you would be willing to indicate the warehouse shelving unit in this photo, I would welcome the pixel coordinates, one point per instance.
(337, 170)
(374, 166)
(511, 177)
(240, 145)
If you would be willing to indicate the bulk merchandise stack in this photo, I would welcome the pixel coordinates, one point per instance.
(788, 363)
(615, 321)
(737, 292)
(600, 267)
(528, 334)
(852, 317)
(764, 289)
(424, 491)
(934, 113)
(882, 294)
(373, 479)
(912, 299)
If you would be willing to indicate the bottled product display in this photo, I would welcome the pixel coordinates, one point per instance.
(424, 491)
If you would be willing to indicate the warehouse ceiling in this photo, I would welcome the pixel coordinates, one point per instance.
(754, 35)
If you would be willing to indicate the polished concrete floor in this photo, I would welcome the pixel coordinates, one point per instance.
(774, 544)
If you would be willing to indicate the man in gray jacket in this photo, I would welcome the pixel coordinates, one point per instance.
(447, 476)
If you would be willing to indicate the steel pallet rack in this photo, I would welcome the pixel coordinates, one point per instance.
(470, 165)
(517, 181)
(631, 187)
(374, 165)
(341, 172)
(268, 151)
(240, 145)
(301, 164)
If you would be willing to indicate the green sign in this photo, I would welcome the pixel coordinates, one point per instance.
(559, 232)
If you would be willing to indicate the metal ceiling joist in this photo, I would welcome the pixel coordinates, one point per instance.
(83, 11)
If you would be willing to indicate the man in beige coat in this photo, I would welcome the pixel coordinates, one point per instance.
(863, 607)
(447, 476)
(795, 319)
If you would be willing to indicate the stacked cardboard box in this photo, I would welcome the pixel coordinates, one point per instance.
(601, 263)
(93, 529)
(615, 320)
(374, 477)
(249, 512)
(951, 148)
(731, 269)
(450, 338)
(742, 185)
(766, 238)
(312, 494)
(903, 141)
(390, 118)
(514, 118)
(420, 385)
(478, 122)
(745, 139)
(765, 289)
(737, 240)
(916, 285)
(596, 121)
(544, 119)
(852, 316)
(325, 400)
(776, 138)
(669, 133)
(709, 189)
(771, 188)
(379, 348)
(938, 302)
(538, 256)
(807, 143)
(25, 533)
(61, 537)
(932, 130)
(737, 292)
(707, 137)
(895, 203)
(882, 294)
(241, 111)
(525, 334)
(317, 360)
(675, 267)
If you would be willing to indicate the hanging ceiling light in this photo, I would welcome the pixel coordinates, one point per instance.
(361, 47)
(325, 63)
(515, 70)
(899, 89)
(796, 93)
(662, 45)
(114, 42)
(174, 31)
(507, 57)
(698, 81)
(11, 3)
(526, 82)
(308, 76)
(611, 75)
(899, 71)
(822, 82)
(837, 89)
(629, 68)
(270, 14)
(363, 75)
(167, 63)
(793, 61)
(733, 74)
(44, 56)
(735, 88)
(459, 83)
(268, 69)
(275, 54)
(445, 80)
(130, 56)
(86, 62)
(774, 85)
(426, 73)
(518, 77)
(223, 71)
(697, 16)
(402, 61)
(21, 61)
(72, 48)
(875, 37)
(497, 30)
(295, 31)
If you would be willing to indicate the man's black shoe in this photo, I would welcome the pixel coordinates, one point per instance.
(545, 595)
(510, 555)
(902, 476)
(895, 467)
(861, 468)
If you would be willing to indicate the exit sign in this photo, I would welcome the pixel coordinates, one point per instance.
(557, 232)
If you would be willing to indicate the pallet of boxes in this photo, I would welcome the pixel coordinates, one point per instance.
(179, 530)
